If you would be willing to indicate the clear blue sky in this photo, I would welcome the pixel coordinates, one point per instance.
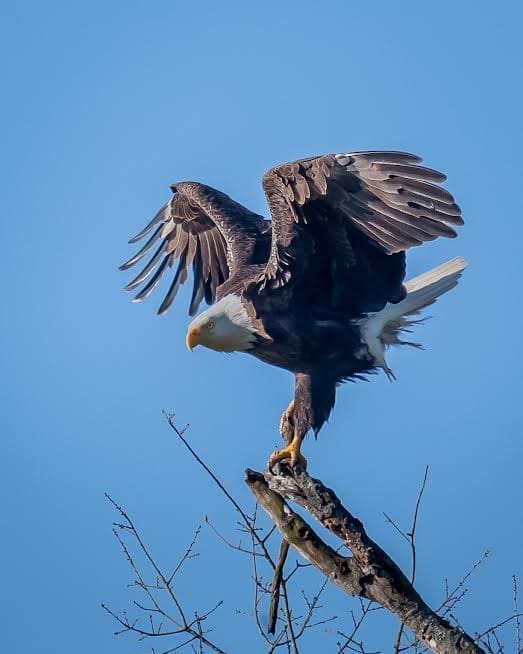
(104, 105)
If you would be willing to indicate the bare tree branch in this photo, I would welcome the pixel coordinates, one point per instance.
(275, 589)
(370, 572)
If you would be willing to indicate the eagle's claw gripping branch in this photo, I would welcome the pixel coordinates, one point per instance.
(291, 453)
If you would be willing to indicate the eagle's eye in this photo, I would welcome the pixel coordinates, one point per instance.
(210, 325)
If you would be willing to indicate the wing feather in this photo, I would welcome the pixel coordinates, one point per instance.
(205, 249)
(153, 282)
(134, 283)
(387, 196)
(179, 277)
(198, 286)
(160, 216)
(200, 228)
(143, 251)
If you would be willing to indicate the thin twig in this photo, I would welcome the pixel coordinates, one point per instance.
(411, 539)
(187, 555)
(516, 613)
(312, 606)
(412, 533)
(365, 609)
(458, 592)
(227, 542)
(180, 433)
(516, 617)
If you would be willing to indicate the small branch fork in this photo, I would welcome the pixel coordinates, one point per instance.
(369, 573)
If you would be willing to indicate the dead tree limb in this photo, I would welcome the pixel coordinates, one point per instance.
(369, 572)
(275, 587)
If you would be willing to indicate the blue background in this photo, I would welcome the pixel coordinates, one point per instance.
(104, 105)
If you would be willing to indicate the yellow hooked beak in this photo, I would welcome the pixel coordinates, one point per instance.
(192, 338)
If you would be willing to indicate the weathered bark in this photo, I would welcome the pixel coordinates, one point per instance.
(369, 572)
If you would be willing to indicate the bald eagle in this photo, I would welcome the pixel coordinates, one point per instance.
(317, 290)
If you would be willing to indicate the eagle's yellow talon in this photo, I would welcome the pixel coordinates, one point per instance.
(291, 453)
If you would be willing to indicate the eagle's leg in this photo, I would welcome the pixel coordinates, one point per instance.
(314, 397)
(286, 428)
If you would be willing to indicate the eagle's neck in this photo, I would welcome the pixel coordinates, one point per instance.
(242, 334)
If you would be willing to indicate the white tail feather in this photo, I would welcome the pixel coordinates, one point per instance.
(383, 328)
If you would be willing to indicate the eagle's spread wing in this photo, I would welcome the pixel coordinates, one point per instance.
(199, 227)
(360, 210)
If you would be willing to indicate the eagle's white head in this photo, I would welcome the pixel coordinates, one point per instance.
(224, 327)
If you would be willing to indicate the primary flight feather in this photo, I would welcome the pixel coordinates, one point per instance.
(319, 289)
